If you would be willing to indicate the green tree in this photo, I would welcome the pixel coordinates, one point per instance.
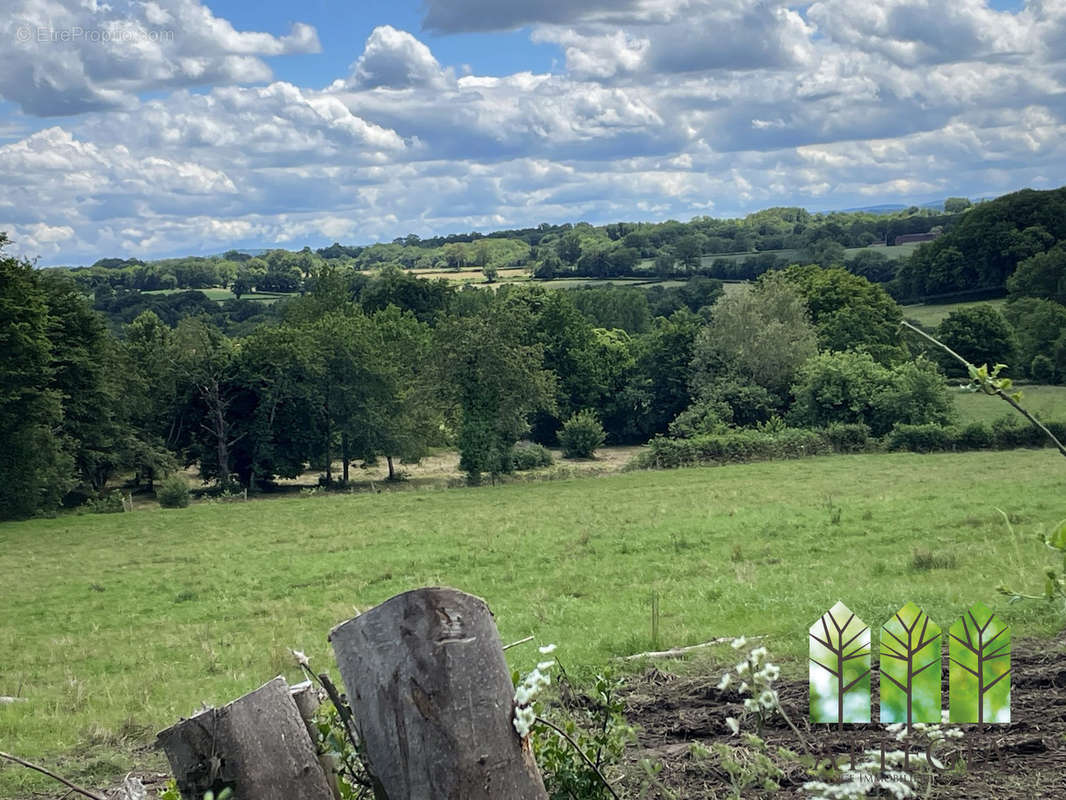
(1038, 326)
(1042, 275)
(494, 381)
(663, 370)
(848, 311)
(149, 397)
(760, 335)
(980, 334)
(688, 250)
(85, 373)
(35, 470)
(206, 367)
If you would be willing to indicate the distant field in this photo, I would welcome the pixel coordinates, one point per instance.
(1047, 402)
(125, 622)
(930, 316)
(219, 294)
(509, 275)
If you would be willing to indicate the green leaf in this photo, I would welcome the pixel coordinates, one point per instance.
(979, 648)
(839, 667)
(1057, 539)
(910, 667)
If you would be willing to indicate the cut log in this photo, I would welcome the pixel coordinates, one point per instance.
(258, 746)
(433, 700)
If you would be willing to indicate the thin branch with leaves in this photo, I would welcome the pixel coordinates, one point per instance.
(989, 382)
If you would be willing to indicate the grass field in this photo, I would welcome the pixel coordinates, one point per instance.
(113, 626)
(930, 316)
(218, 294)
(1047, 402)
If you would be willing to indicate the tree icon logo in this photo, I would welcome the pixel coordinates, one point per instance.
(979, 672)
(840, 667)
(911, 651)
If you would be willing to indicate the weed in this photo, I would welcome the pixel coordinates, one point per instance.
(923, 560)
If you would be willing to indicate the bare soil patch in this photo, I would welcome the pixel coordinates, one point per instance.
(1024, 760)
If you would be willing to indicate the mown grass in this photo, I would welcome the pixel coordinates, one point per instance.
(114, 626)
(1047, 402)
(929, 316)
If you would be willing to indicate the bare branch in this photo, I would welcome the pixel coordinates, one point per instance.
(72, 786)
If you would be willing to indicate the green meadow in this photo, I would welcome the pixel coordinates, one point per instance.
(113, 626)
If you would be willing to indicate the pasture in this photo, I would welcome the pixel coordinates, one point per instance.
(929, 316)
(115, 625)
(1046, 402)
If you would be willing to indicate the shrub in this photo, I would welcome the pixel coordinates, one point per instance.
(1011, 433)
(527, 455)
(927, 438)
(975, 436)
(845, 438)
(110, 503)
(734, 447)
(1042, 370)
(173, 492)
(581, 435)
(852, 387)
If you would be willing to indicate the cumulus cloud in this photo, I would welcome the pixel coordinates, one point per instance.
(68, 57)
(394, 59)
(913, 32)
(665, 109)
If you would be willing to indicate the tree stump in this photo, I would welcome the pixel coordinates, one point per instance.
(433, 700)
(258, 746)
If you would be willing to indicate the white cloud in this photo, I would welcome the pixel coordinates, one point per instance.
(394, 59)
(666, 108)
(69, 57)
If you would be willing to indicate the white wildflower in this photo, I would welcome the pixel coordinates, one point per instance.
(739, 643)
(768, 699)
(727, 679)
(734, 724)
(547, 649)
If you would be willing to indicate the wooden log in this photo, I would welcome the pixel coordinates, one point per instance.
(433, 700)
(258, 746)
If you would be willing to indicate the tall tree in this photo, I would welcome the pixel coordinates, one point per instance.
(85, 373)
(495, 381)
(206, 367)
(35, 471)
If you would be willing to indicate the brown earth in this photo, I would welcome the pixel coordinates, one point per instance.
(1023, 760)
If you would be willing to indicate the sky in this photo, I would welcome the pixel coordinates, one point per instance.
(151, 128)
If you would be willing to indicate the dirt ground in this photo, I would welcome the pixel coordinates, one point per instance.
(672, 714)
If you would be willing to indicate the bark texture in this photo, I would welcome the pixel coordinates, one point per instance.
(432, 697)
(258, 746)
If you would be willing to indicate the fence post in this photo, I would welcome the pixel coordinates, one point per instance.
(258, 745)
(433, 700)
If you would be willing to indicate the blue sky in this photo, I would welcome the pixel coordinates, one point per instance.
(190, 127)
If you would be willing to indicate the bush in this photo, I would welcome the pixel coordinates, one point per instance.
(1011, 433)
(581, 435)
(173, 492)
(1042, 370)
(852, 387)
(527, 455)
(975, 436)
(845, 438)
(734, 447)
(110, 503)
(928, 438)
